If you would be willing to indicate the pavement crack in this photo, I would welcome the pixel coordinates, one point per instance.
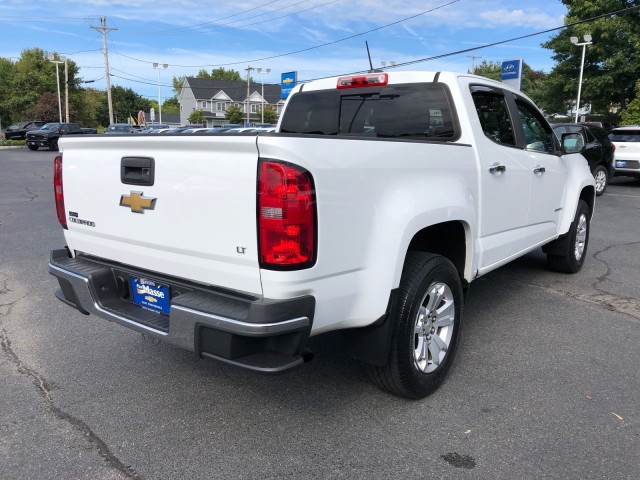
(30, 195)
(613, 302)
(44, 388)
(604, 277)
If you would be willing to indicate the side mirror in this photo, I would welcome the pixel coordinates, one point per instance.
(572, 143)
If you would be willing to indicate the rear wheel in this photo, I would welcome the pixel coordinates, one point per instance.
(32, 147)
(573, 259)
(601, 176)
(426, 327)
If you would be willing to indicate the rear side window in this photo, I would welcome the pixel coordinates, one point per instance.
(494, 117)
(625, 136)
(405, 111)
(600, 134)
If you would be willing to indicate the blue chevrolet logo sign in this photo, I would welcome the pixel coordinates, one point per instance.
(287, 82)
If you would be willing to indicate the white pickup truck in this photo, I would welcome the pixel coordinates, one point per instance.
(370, 210)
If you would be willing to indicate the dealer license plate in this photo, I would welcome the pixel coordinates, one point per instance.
(621, 163)
(150, 295)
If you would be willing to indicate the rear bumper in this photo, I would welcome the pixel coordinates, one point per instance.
(630, 168)
(253, 333)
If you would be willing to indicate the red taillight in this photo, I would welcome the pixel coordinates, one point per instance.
(57, 190)
(358, 81)
(286, 216)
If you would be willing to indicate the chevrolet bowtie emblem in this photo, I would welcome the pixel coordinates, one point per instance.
(137, 202)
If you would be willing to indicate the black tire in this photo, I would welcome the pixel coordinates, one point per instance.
(32, 147)
(413, 371)
(573, 259)
(54, 145)
(601, 176)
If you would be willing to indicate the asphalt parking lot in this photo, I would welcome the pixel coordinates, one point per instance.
(545, 385)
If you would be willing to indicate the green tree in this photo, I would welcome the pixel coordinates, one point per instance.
(196, 117)
(6, 71)
(631, 114)
(612, 61)
(216, 74)
(177, 84)
(92, 110)
(171, 105)
(534, 82)
(29, 77)
(270, 114)
(46, 108)
(234, 114)
(229, 75)
(127, 103)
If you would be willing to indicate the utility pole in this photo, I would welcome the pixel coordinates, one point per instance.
(103, 29)
(52, 58)
(248, 84)
(473, 63)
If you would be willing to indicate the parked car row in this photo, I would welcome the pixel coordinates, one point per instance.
(18, 131)
(608, 153)
(599, 151)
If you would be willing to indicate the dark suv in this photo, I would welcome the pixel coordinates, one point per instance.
(18, 131)
(598, 151)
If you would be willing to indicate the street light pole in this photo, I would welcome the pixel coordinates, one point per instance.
(52, 59)
(66, 91)
(159, 67)
(587, 41)
(248, 69)
(262, 73)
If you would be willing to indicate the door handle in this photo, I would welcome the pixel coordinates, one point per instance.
(539, 170)
(137, 171)
(497, 169)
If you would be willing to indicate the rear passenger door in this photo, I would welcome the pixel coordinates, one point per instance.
(505, 178)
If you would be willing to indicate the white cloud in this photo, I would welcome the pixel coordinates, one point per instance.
(521, 18)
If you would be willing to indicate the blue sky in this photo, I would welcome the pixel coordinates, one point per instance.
(190, 35)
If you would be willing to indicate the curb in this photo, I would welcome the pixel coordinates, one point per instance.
(11, 146)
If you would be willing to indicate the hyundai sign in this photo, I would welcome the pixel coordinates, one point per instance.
(512, 73)
(288, 81)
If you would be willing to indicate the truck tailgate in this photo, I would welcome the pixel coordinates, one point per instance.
(202, 224)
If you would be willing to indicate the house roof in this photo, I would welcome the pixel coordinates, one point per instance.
(206, 89)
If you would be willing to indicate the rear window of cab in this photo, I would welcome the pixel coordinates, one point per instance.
(403, 111)
(625, 135)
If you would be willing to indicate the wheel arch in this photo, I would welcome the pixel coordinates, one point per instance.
(451, 240)
(588, 194)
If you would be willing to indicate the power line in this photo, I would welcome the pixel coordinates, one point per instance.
(304, 49)
(225, 27)
(199, 25)
(623, 11)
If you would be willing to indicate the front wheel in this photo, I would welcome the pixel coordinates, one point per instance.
(32, 147)
(601, 176)
(426, 327)
(53, 145)
(573, 259)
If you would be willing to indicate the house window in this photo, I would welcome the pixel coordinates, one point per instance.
(254, 108)
(204, 104)
(221, 107)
